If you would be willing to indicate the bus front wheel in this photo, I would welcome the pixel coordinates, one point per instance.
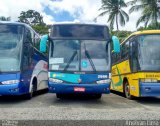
(60, 95)
(33, 89)
(127, 91)
(97, 96)
(30, 94)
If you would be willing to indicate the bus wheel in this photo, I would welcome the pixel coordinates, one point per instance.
(59, 96)
(30, 94)
(127, 91)
(97, 96)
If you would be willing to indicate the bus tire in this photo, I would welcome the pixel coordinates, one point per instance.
(59, 96)
(30, 94)
(127, 91)
(97, 96)
(33, 89)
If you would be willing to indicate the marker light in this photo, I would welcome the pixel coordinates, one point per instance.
(11, 82)
(55, 80)
(103, 81)
(149, 80)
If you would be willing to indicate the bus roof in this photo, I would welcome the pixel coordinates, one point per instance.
(17, 23)
(142, 33)
(80, 31)
(11, 22)
(78, 23)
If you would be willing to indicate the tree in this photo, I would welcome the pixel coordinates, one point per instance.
(116, 13)
(151, 26)
(122, 35)
(31, 17)
(35, 20)
(150, 11)
(2, 18)
(41, 29)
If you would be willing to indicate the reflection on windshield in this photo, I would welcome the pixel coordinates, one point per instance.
(10, 47)
(64, 56)
(80, 31)
(99, 52)
(149, 52)
(76, 55)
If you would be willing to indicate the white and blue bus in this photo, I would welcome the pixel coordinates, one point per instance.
(79, 58)
(23, 69)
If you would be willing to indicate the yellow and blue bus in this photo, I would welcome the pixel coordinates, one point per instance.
(79, 58)
(136, 70)
(23, 69)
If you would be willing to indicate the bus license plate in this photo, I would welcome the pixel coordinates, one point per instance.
(79, 89)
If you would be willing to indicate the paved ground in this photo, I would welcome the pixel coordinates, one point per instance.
(46, 106)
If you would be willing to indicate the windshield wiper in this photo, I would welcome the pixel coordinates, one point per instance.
(89, 58)
(71, 59)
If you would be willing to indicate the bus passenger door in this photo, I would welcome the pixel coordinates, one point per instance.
(27, 60)
(134, 55)
(134, 82)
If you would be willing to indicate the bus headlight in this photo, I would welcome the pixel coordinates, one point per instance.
(103, 81)
(149, 80)
(55, 80)
(11, 82)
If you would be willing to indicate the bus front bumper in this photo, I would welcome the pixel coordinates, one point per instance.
(9, 89)
(79, 88)
(149, 89)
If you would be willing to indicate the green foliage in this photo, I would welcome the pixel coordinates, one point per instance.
(151, 26)
(3, 18)
(31, 17)
(35, 20)
(113, 8)
(150, 11)
(41, 29)
(122, 35)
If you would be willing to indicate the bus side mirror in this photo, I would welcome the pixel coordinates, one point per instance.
(116, 44)
(43, 43)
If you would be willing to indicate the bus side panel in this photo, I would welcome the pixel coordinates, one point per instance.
(119, 71)
(136, 88)
(151, 89)
(134, 84)
(122, 71)
(116, 81)
(40, 70)
(36, 69)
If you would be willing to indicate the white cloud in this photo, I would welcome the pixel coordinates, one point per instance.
(81, 10)
(14, 7)
(89, 11)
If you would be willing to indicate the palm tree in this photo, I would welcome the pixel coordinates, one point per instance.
(150, 10)
(116, 14)
(2, 18)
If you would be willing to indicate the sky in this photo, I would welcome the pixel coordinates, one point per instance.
(84, 11)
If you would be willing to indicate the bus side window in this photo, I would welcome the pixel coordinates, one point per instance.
(125, 50)
(37, 42)
(113, 58)
(116, 57)
(134, 55)
(27, 49)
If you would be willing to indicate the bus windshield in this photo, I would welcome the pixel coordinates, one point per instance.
(10, 47)
(149, 50)
(79, 55)
(80, 31)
